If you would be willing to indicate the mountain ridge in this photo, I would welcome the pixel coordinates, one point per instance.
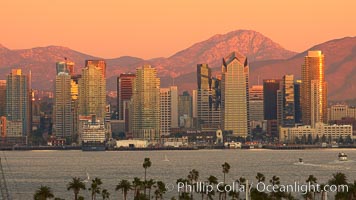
(267, 60)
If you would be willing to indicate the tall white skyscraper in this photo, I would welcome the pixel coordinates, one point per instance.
(62, 109)
(169, 109)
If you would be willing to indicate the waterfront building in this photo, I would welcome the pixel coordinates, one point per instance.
(334, 132)
(235, 95)
(93, 134)
(18, 100)
(145, 104)
(313, 89)
(168, 109)
(208, 99)
(339, 111)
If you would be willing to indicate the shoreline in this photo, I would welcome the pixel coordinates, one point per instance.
(244, 147)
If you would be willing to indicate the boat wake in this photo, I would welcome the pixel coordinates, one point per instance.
(338, 167)
(342, 162)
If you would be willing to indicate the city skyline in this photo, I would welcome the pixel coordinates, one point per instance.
(121, 31)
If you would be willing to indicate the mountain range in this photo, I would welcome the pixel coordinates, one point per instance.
(267, 59)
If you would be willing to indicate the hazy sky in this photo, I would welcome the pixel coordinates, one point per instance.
(155, 28)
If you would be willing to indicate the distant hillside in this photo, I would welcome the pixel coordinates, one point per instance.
(267, 60)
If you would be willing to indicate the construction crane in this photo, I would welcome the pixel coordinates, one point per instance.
(5, 195)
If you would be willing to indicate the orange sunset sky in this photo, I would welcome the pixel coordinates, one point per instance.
(156, 28)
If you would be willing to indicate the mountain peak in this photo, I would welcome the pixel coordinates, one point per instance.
(3, 47)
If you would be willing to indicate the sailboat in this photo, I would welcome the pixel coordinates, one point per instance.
(88, 177)
(165, 158)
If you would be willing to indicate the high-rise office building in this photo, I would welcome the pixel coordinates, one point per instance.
(270, 88)
(74, 89)
(195, 108)
(313, 89)
(144, 106)
(208, 99)
(99, 64)
(2, 97)
(124, 93)
(62, 67)
(297, 108)
(185, 108)
(92, 90)
(168, 109)
(286, 102)
(235, 95)
(256, 103)
(18, 101)
(62, 110)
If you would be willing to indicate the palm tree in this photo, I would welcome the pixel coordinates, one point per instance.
(105, 194)
(338, 179)
(193, 178)
(160, 190)
(212, 180)
(181, 192)
(146, 164)
(226, 169)
(149, 184)
(311, 180)
(352, 191)
(260, 177)
(95, 187)
(137, 184)
(76, 185)
(124, 186)
(43, 193)
(234, 195)
(275, 182)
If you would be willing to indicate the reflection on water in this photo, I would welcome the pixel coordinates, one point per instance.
(27, 170)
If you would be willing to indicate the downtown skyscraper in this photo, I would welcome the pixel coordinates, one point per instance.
(256, 103)
(208, 99)
(168, 109)
(145, 104)
(235, 94)
(124, 94)
(2, 97)
(313, 89)
(92, 89)
(62, 109)
(18, 104)
(286, 102)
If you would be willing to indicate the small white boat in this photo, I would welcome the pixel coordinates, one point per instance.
(342, 156)
(165, 158)
(301, 161)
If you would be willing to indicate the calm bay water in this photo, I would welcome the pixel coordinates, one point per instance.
(27, 170)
